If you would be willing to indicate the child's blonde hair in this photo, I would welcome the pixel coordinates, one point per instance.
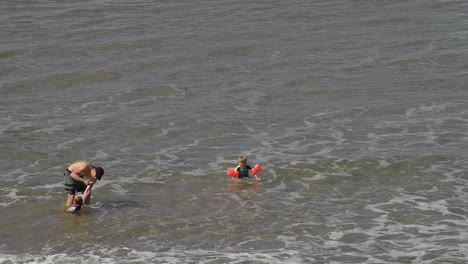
(242, 160)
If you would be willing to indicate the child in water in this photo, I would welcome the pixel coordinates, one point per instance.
(78, 202)
(243, 168)
(76, 207)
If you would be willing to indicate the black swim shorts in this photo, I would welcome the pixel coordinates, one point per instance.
(72, 186)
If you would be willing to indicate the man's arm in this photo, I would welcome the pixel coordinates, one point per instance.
(77, 177)
(93, 179)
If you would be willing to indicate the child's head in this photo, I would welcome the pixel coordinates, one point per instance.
(242, 161)
(78, 200)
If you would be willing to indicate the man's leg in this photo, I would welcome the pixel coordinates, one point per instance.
(71, 199)
(70, 188)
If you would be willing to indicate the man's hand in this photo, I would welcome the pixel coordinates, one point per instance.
(88, 183)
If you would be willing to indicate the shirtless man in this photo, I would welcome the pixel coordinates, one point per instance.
(78, 176)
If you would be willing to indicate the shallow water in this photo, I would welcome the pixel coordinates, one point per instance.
(356, 111)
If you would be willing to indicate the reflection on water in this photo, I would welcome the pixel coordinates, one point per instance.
(242, 187)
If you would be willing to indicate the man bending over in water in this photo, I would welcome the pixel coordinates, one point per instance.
(78, 176)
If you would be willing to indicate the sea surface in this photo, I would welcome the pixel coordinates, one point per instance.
(355, 109)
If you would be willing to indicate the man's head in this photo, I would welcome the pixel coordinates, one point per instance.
(98, 172)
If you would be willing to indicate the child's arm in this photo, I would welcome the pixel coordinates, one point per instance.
(257, 178)
(86, 193)
(255, 170)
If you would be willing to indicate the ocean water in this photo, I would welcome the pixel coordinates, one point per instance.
(356, 111)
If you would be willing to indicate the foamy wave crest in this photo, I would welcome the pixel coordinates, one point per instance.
(127, 255)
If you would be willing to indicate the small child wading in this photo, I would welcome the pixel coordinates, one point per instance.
(78, 202)
(76, 207)
(244, 169)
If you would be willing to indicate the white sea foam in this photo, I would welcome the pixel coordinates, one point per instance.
(128, 255)
(47, 186)
(425, 109)
(10, 197)
(63, 145)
